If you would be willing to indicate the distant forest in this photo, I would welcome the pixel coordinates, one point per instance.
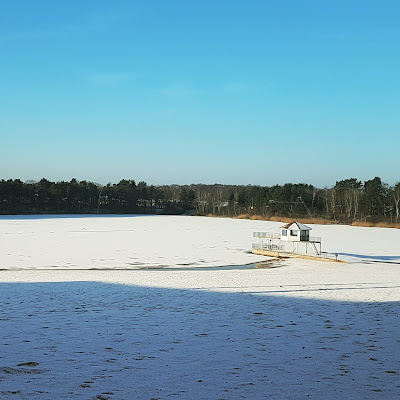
(348, 201)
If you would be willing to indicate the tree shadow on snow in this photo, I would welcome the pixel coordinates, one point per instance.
(95, 340)
(373, 257)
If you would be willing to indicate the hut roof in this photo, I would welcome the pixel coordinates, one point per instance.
(299, 225)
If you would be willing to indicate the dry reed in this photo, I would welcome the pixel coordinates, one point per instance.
(377, 224)
(243, 216)
(317, 221)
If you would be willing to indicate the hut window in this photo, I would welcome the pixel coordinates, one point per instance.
(284, 232)
(304, 234)
(293, 233)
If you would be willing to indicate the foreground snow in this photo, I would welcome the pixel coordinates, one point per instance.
(296, 329)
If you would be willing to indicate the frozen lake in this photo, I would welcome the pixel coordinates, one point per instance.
(126, 242)
(76, 309)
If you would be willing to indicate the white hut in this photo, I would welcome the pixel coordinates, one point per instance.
(295, 232)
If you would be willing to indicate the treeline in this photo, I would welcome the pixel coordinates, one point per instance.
(348, 201)
(81, 197)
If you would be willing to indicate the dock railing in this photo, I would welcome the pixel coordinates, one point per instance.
(267, 246)
(267, 235)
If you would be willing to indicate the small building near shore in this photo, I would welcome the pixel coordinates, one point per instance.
(295, 232)
(294, 238)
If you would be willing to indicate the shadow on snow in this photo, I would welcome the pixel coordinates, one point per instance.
(110, 341)
(371, 257)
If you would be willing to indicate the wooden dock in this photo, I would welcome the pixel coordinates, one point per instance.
(285, 254)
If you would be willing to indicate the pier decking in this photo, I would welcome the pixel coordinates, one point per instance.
(288, 254)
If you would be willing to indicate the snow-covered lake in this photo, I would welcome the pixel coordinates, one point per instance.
(77, 242)
(80, 320)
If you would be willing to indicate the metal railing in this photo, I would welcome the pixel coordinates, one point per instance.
(316, 239)
(267, 235)
(266, 246)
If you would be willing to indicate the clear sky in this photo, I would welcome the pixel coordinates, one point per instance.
(212, 91)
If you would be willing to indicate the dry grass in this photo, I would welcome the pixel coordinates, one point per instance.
(242, 216)
(317, 221)
(362, 223)
(258, 217)
(253, 217)
(377, 224)
(320, 221)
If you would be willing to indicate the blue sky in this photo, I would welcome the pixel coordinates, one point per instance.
(235, 92)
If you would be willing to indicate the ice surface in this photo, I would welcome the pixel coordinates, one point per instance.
(165, 241)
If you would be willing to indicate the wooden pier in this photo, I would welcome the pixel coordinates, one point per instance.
(286, 254)
(294, 241)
